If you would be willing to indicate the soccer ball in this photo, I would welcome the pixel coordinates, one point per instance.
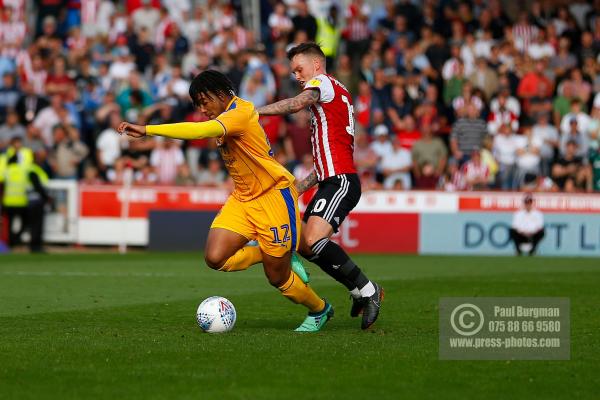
(216, 314)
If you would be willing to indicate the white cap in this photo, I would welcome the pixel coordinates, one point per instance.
(380, 130)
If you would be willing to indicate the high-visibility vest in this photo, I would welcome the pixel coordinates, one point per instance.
(25, 158)
(25, 155)
(16, 181)
(328, 37)
(3, 165)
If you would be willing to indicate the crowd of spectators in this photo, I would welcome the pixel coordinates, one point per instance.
(448, 95)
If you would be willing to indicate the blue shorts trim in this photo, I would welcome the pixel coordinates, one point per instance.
(291, 208)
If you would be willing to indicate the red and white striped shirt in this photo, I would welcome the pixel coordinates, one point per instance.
(161, 32)
(357, 30)
(166, 161)
(18, 7)
(472, 171)
(28, 74)
(460, 102)
(23, 60)
(523, 35)
(89, 11)
(332, 127)
(502, 117)
(13, 32)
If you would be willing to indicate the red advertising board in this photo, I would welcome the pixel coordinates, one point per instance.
(380, 233)
(106, 201)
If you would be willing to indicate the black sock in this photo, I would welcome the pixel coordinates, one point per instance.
(336, 259)
(334, 273)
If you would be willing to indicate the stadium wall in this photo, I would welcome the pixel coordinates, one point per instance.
(473, 223)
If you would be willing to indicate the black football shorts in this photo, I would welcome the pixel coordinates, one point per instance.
(335, 198)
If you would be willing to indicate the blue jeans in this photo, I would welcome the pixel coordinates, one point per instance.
(505, 177)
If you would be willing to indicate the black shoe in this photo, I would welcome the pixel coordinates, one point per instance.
(371, 307)
(357, 306)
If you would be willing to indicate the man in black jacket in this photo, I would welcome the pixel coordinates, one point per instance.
(37, 197)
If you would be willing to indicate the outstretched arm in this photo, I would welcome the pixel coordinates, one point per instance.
(182, 130)
(308, 182)
(290, 106)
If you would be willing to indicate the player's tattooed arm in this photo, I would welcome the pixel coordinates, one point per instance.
(292, 105)
(307, 183)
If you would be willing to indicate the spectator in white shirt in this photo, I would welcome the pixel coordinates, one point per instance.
(510, 102)
(109, 144)
(166, 158)
(146, 16)
(50, 116)
(396, 168)
(583, 120)
(505, 152)
(176, 85)
(541, 48)
(279, 22)
(451, 67)
(577, 135)
(528, 156)
(547, 134)
(195, 24)
(527, 228)
(122, 66)
(381, 145)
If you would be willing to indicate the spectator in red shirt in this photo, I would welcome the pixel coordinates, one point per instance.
(409, 134)
(528, 87)
(363, 104)
(58, 82)
(297, 138)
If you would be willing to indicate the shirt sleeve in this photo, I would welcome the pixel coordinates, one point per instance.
(323, 84)
(187, 130)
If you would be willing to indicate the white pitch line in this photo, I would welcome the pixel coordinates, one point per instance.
(93, 274)
(162, 275)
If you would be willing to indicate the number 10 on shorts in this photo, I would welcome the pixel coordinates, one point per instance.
(285, 229)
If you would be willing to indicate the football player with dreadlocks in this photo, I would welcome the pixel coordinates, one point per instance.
(264, 202)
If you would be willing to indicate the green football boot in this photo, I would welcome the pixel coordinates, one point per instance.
(298, 268)
(315, 321)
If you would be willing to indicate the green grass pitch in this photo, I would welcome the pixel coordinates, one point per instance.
(123, 327)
